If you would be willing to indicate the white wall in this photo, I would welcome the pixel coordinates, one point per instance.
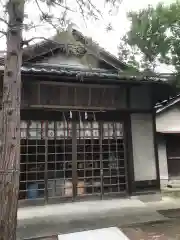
(64, 60)
(163, 167)
(61, 58)
(143, 147)
(169, 120)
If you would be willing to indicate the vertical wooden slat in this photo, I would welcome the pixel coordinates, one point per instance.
(75, 96)
(101, 157)
(129, 147)
(89, 96)
(74, 158)
(156, 150)
(39, 94)
(155, 139)
(46, 164)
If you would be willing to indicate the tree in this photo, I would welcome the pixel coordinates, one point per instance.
(153, 38)
(10, 122)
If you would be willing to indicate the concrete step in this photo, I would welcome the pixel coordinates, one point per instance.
(173, 185)
(171, 192)
(48, 227)
(80, 216)
(150, 196)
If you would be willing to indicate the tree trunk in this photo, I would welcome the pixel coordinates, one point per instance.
(10, 128)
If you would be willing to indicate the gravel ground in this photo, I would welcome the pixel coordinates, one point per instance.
(158, 231)
(45, 238)
(167, 230)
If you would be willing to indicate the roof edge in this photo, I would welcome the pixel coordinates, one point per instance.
(170, 103)
(83, 40)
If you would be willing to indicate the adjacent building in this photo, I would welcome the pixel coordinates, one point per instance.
(168, 133)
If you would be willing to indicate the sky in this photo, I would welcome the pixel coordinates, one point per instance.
(119, 23)
(95, 29)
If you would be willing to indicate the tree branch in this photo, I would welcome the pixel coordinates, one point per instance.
(3, 33)
(4, 21)
(65, 7)
(94, 7)
(26, 42)
(82, 11)
(28, 27)
(83, 4)
(43, 14)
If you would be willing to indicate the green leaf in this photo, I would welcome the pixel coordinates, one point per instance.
(154, 35)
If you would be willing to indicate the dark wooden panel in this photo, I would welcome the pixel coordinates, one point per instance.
(71, 96)
(82, 96)
(49, 95)
(146, 186)
(108, 97)
(173, 156)
(66, 95)
(1, 91)
(29, 93)
(174, 168)
(140, 97)
(96, 97)
(173, 146)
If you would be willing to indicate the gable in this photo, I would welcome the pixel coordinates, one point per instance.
(168, 121)
(68, 42)
(60, 58)
(66, 49)
(108, 60)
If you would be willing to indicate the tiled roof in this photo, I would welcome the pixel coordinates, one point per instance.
(70, 71)
(72, 74)
(80, 72)
(162, 106)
